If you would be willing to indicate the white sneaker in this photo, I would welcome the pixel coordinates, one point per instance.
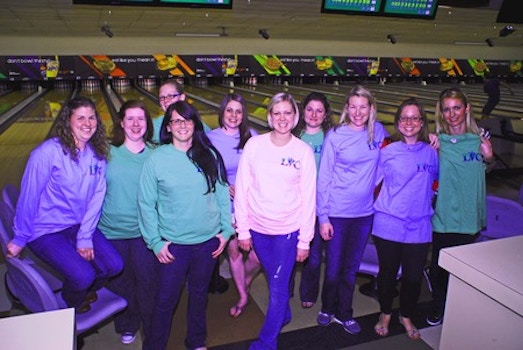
(127, 338)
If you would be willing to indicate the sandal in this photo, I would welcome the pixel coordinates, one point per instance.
(307, 304)
(412, 332)
(382, 327)
(237, 310)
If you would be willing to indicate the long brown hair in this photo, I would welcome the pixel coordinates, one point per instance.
(62, 130)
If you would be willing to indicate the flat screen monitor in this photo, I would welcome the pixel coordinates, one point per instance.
(410, 8)
(355, 7)
(425, 9)
(219, 4)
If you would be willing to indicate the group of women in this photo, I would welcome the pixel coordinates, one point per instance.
(145, 220)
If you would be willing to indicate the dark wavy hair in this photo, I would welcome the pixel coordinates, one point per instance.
(424, 132)
(245, 130)
(62, 130)
(118, 134)
(327, 123)
(202, 153)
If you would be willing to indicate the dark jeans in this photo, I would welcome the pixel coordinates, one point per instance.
(80, 276)
(192, 263)
(439, 277)
(137, 284)
(343, 256)
(311, 271)
(412, 257)
(277, 255)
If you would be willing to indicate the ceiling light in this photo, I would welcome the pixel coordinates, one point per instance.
(506, 31)
(105, 29)
(203, 35)
(264, 34)
(197, 34)
(469, 42)
(392, 39)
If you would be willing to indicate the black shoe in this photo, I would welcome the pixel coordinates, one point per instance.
(219, 285)
(434, 319)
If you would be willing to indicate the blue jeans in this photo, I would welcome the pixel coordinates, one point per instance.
(194, 263)
(310, 274)
(277, 255)
(343, 256)
(137, 284)
(80, 276)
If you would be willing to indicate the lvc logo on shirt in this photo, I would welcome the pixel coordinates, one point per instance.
(375, 145)
(424, 167)
(291, 162)
(472, 157)
(95, 169)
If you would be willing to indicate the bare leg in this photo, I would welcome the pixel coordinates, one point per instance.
(238, 274)
(252, 268)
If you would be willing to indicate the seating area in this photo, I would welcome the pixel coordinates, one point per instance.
(504, 218)
(35, 287)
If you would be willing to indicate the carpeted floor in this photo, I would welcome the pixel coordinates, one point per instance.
(333, 337)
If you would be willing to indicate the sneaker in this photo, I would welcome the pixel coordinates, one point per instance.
(434, 319)
(324, 319)
(350, 326)
(127, 338)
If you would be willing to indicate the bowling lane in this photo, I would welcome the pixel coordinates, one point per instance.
(26, 133)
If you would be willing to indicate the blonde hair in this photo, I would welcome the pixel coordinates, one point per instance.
(442, 127)
(281, 97)
(361, 91)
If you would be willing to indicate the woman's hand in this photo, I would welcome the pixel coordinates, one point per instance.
(326, 231)
(486, 149)
(221, 247)
(86, 253)
(245, 244)
(302, 255)
(434, 141)
(165, 256)
(13, 250)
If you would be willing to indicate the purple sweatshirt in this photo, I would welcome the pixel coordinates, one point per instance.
(58, 192)
(347, 173)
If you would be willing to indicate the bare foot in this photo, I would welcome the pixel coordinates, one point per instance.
(412, 331)
(382, 327)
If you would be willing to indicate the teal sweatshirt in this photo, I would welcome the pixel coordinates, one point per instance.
(173, 205)
(119, 219)
(461, 204)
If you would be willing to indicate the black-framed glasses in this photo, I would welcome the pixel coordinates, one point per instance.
(168, 97)
(178, 122)
(410, 119)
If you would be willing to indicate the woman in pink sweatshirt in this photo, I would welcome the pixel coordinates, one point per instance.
(275, 208)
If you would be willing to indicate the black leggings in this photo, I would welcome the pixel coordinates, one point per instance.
(412, 257)
(439, 277)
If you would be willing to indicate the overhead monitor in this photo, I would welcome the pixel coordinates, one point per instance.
(425, 9)
(219, 4)
(355, 7)
(411, 8)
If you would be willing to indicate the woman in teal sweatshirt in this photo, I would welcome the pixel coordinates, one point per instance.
(185, 218)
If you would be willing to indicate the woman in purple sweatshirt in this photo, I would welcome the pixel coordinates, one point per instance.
(62, 192)
(346, 182)
(402, 230)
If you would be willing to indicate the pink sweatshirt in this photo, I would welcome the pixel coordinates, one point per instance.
(276, 189)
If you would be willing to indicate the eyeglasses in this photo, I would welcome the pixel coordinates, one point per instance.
(168, 97)
(410, 119)
(178, 122)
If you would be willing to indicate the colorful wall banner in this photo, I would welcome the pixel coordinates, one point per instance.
(172, 65)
